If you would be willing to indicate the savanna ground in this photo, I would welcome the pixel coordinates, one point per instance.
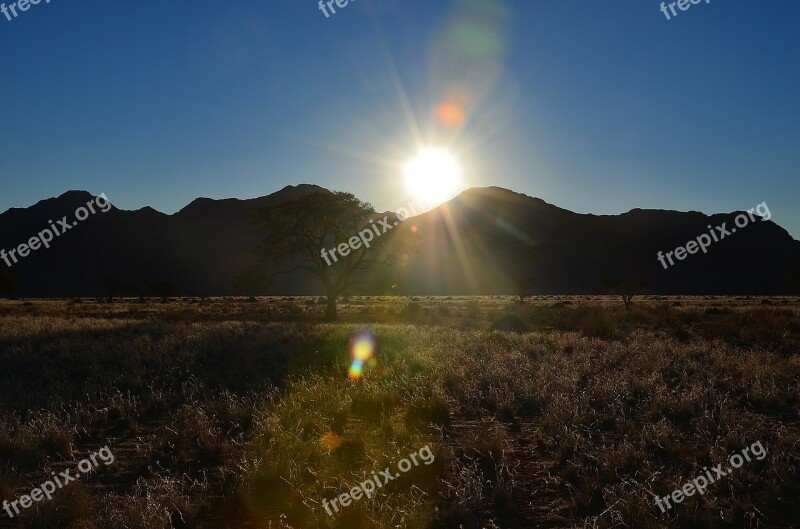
(559, 412)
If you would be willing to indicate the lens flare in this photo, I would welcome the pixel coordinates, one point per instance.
(451, 114)
(466, 59)
(362, 349)
(356, 370)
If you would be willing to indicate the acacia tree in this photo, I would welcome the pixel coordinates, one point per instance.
(300, 235)
(626, 289)
(523, 286)
(517, 267)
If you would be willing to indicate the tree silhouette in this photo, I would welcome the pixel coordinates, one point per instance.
(626, 289)
(523, 286)
(295, 233)
(8, 282)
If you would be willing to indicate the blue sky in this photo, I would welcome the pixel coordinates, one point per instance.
(596, 107)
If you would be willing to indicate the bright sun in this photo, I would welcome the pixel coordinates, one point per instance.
(433, 177)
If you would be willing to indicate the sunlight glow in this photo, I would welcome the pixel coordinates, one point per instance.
(362, 349)
(434, 176)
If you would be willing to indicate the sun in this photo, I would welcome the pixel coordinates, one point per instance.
(433, 176)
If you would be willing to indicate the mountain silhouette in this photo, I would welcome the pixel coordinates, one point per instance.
(473, 244)
(501, 233)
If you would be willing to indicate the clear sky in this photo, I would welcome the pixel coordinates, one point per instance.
(593, 106)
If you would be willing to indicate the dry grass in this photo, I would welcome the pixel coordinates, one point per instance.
(561, 412)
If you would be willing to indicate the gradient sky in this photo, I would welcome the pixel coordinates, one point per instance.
(597, 107)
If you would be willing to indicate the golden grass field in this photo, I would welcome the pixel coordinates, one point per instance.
(557, 413)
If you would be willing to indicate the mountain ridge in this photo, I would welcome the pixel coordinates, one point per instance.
(202, 247)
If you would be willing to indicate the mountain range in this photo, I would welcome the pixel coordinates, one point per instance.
(473, 244)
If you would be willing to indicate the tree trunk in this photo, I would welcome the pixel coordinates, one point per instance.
(628, 301)
(330, 311)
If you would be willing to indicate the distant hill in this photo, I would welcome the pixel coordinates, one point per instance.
(472, 244)
(200, 249)
(500, 233)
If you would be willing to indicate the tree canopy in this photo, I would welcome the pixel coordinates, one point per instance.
(331, 235)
